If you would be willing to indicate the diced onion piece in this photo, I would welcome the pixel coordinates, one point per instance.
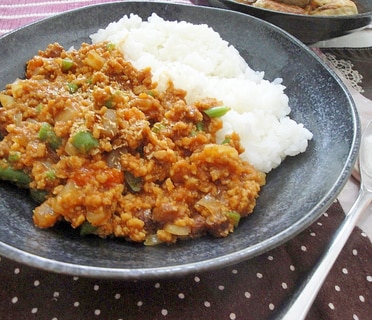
(109, 123)
(152, 240)
(177, 230)
(98, 216)
(94, 60)
(209, 204)
(44, 216)
(67, 114)
(113, 159)
(70, 149)
(17, 119)
(5, 100)
(17, 88)
(68, 189)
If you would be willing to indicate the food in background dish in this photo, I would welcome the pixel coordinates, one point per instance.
(122, 150)
(308, 7)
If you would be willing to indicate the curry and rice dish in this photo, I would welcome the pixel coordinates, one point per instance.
(137, 137)
(110, 154)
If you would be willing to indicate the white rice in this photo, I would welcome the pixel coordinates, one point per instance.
(197, 60)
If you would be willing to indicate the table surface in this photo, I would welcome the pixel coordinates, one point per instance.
(253, 289)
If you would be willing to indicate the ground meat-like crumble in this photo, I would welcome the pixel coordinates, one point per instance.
(102, 149)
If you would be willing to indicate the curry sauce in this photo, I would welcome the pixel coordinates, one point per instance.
(101, 148)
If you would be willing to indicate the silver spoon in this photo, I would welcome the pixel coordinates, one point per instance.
(302, 300)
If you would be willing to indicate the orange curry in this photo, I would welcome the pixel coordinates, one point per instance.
(101, 148)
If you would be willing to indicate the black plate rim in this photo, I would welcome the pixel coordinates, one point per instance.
(46, 264)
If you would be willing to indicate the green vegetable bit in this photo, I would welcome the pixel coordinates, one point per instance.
(72, 87)
(226, 141)
(14, 156)
(83, 141)
(18, 177)
(39, 107)
(157, 127)
(216, 112)
(135, 183)
(50, 174)
(200, 126)
(67, 64)
(151, 93)
(110, 46)
(234, 217)
(47, 134)
(38, 195)
(109, 102)
(86, 228)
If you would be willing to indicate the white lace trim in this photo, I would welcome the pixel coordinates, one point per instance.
(346, 68)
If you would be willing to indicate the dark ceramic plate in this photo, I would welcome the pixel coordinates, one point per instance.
(296, 194)
(309, 29)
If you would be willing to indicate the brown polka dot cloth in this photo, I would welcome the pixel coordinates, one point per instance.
(253, 289)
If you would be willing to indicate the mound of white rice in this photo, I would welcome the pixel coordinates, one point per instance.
(197, 60)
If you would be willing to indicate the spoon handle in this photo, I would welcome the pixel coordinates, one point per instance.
(302, 300)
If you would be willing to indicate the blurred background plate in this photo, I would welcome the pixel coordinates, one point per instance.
(296, 193)
(309, 29)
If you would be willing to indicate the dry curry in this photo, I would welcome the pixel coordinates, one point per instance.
(99, 147)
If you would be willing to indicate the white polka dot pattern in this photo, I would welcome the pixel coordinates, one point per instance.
(261, 284)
